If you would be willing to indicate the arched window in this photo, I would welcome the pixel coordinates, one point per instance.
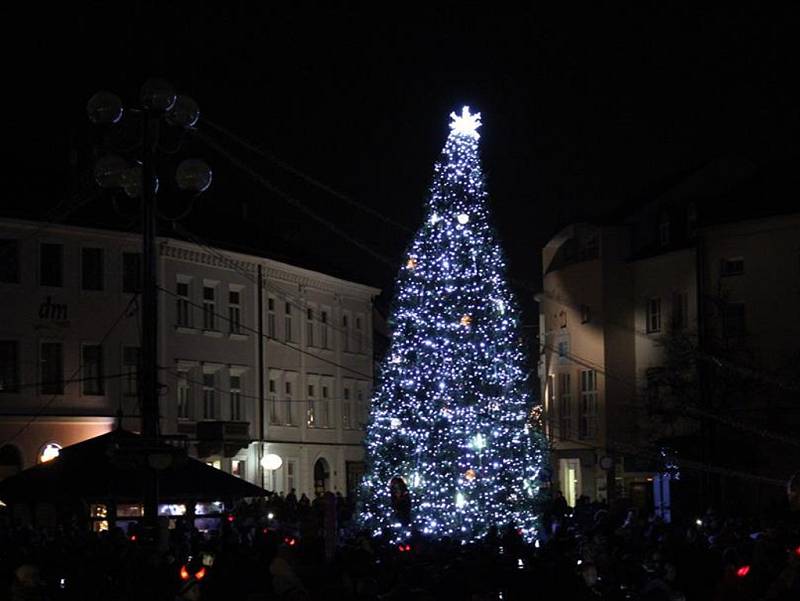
(322, 474)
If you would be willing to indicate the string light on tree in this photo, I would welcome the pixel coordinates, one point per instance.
(451, 419)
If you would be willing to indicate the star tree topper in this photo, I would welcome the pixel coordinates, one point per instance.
(466, 124)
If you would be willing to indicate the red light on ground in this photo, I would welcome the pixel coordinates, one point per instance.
(408, 547)
(400, 548)
(265, 530)
(797, 551)
(743, 571)
(184, 573)
(133, 537)
(290, 541)
(230, 518)
(201, 574)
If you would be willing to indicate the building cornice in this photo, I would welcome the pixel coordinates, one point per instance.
(275, 270)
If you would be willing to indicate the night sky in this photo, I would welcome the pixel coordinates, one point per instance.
(583, 108)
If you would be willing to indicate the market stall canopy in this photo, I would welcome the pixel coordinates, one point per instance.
(116, 466)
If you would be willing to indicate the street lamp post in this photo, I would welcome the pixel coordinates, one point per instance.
(137, 176)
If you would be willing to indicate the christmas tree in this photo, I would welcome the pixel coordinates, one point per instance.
(452, 448)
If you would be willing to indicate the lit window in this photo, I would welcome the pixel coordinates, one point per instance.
(653, 315)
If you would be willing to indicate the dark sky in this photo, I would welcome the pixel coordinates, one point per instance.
(582, 107)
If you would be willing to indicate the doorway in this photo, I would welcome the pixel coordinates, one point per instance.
(322, 475)
(570, 476)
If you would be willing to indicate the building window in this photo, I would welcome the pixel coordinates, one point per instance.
(51, 265)
(347, 418)
(209, 397)
(310, 411)
(236, 398)
(565, 406)
(131, 360)
(323, 330)
(733, 266)
(238, 468)
(52, 368)
(309, 327)
(733, 320)
(271, 318)
(209, 308)
(131, 272)
(9, 366)
(184, 396)
(345, 333)
(325, 410)
(287, 323)
(183, 305)
(562, 348)
(680, 311)
(9, 261)
(587, 428)
(274, 413)
(586, 314)
(359, 340)
(234, 311)
(92, 378)
(653, 315)
(287, 386)
(92, 268)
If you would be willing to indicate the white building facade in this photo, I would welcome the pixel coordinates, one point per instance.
(69, 354)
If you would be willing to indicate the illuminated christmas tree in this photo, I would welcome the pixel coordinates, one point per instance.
(451, 446)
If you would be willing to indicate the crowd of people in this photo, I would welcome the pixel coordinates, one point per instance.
(285, 547)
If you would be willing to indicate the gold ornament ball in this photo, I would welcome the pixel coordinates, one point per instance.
(470, 474)
(411, 263)
(466, 320)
